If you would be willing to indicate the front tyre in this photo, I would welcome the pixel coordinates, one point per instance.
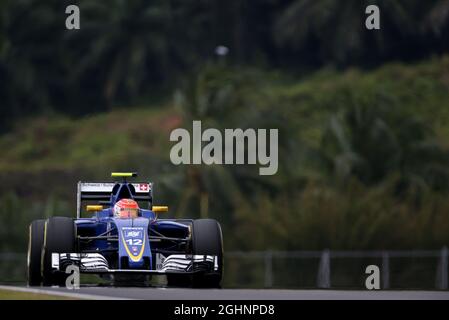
(34, 255)
(60, 235)
(207, 239)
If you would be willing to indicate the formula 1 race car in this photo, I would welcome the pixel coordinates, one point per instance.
(123, 241)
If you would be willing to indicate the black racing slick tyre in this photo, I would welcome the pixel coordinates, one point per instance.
(207, 239)
(34, 255)
(60, 237)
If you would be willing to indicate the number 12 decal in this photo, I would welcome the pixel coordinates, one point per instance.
(134, 242)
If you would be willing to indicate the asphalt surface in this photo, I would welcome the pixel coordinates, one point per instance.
(152, 293)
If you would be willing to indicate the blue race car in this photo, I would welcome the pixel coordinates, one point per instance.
(121, 241)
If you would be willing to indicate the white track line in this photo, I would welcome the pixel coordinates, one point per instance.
(62, 294)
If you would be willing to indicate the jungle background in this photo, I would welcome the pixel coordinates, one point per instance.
(363, 116)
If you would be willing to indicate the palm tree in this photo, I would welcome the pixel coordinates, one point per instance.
(222, 98)
(373, 143)
(121, 45)
(338, 27)
(208, 98)
(29, 37)
(437, 19)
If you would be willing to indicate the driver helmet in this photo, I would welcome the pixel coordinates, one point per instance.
(126, 209)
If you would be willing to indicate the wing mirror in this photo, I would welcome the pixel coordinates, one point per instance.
(159, 209)
(91, 208)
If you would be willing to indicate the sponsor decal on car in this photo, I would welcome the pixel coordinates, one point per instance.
(134, 242)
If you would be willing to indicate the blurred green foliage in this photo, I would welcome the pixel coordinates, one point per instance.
(363, 158)
(129, 52)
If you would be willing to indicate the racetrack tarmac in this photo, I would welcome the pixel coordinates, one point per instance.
(153, 293)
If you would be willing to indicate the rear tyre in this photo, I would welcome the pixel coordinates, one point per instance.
(34, 256)
(60, 237)
(207, 239)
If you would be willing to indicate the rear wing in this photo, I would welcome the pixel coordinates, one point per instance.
(102, 192)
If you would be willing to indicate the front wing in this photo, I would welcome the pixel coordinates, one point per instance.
(97, 263)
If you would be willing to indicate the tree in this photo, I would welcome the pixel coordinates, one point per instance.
(122, 45)
(373, 143)
(335, 30)
(29, 71)
(222, 98)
